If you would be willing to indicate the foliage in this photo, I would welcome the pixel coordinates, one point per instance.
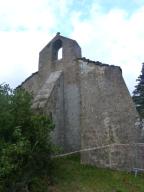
(138, 94)
(25, 143)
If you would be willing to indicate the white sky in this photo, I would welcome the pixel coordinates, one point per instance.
(110, 32)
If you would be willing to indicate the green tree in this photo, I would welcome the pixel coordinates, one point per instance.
(138, 93)
(25, 143)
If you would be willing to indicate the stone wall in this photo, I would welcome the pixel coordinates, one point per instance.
(32, 84)
(108, 117)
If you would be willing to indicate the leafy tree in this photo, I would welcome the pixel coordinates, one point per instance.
(25, 143)
(138, 94)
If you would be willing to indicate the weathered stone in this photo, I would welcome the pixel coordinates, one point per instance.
(90, 105)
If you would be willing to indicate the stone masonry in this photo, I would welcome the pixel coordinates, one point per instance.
(90, 105)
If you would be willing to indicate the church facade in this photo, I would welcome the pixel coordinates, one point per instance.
(90, 106)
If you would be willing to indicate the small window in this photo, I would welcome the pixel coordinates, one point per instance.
(60, 54)
(57, 50)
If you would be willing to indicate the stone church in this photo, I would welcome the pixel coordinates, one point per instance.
(90, 106)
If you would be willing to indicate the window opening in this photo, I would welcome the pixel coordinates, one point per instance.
(57, 50)
(60, 54)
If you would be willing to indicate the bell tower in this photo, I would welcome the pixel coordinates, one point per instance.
(49, 60)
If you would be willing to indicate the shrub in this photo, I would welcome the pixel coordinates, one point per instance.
(25, 142)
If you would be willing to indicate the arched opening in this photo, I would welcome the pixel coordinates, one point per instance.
(57, 50)
(60, 53)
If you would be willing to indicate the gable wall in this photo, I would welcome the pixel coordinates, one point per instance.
(108, 117)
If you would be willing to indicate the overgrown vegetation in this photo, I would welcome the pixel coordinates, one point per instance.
(25, 144)
(71, 176)
(138, 94)
(26, 148)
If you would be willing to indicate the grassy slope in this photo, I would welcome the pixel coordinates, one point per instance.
(71, 176)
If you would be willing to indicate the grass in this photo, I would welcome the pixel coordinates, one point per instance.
(70, 176)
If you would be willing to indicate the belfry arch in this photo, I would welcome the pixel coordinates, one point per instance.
(57, 51)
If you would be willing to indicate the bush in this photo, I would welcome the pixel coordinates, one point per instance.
(25, 142)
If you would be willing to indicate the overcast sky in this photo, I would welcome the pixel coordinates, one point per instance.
(110, 31)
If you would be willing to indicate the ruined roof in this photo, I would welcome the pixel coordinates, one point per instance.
(27, 79)
(97, 62)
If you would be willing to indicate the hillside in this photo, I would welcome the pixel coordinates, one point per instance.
(71, 176)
